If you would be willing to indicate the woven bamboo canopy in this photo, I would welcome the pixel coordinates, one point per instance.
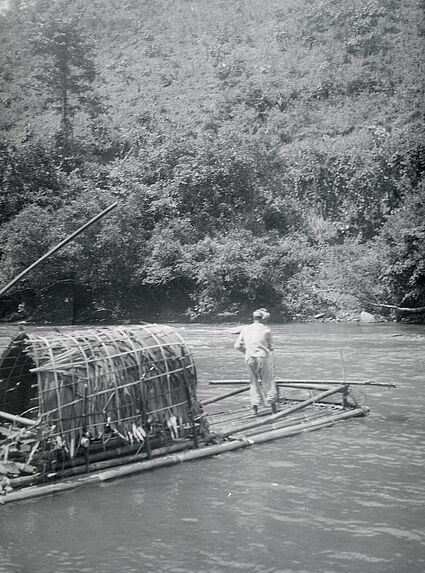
(126, 380)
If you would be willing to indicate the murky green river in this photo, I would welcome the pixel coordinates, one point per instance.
(350, 498)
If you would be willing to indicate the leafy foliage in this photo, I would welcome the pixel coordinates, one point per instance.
(261, 153)
(403, 240)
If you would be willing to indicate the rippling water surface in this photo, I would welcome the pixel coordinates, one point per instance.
(350, 498)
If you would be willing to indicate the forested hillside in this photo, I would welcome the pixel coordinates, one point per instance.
(261, 152)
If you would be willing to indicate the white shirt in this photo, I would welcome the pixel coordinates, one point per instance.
(256, 339)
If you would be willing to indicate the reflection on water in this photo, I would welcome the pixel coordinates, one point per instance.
(346, 499)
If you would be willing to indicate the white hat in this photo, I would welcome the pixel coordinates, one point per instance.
(261, 313)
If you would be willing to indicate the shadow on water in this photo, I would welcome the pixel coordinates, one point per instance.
(350, 498)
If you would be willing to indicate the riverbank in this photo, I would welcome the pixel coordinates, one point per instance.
(67, 310)
(377, 319)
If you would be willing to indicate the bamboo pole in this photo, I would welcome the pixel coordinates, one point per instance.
(169, 460)
(98, 465)
(17, 419)
(226, 382)
(341, 360)
(285, 423)
(270, 419)
(303, 386)
(57, 247)
(225, 395)
(293, 420)
(347, 382)
(309, 381)
(307, 426)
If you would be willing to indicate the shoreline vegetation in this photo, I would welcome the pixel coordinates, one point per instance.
(261, 154)
(227, 319)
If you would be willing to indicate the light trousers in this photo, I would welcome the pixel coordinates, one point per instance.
(262, 386)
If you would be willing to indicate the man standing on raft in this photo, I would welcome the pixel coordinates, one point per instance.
(255, 341)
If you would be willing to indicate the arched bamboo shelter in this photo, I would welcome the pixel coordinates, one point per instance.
(102, 384)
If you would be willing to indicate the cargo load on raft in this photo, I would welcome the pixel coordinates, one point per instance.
(99, 392)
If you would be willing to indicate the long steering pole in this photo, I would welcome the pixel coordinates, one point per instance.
(56, 248)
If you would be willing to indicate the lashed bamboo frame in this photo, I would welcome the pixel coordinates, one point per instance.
(132, 374)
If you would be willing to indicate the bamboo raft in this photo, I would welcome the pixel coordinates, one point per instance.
(84, 407)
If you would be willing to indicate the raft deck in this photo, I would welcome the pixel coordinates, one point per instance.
(232, 425)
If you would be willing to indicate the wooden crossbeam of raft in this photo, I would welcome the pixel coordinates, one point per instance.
(287, 381)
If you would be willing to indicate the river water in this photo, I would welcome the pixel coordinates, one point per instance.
(350, 498)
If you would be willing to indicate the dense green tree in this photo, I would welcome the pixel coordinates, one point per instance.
(403, 240)
(65, 66)
(264, 152)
